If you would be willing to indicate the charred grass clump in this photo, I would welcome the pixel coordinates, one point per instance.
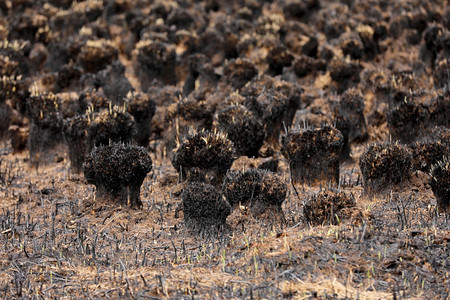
(440, 183)
(185, 115)
(427, 153)
(198, 61)
(384, 166)
(118, 171)
(154, 60)
(273, 102)
(75, 134)
(261, 191)
(211, 152)
(96, 55)
(205, 209)
(350, 119)
(328, 208)
(242, 128)
(43, 110)
(142, 108)
(111, 125)
(313, 155)
(406, 121)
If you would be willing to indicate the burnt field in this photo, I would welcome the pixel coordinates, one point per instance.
(236, 149)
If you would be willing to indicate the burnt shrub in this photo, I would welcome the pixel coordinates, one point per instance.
(350, 119)
(142, 108)
(327, 207)
(274, 102)
(200, 78)
(18, 137)
(185, 115)
(441, 74)
(113, 82)
(427, 153)
(211, 152)
(272, 107)
(278, 58)
(75, 130)
(45, 126)
(118, 171)
(262, 191)
(93, 100)
(352, 45)
(242, 128)
(345, 73)
(407, 120)
(440, 183)
(96, 55)
(111, 125)
(205, 209)
(68, 77)
(14, 89)
(383, 166)
(154, 60)
(238, 72)
(17, 52)
(313, 154)
(431, 44)
(305, 65)
(439, 107)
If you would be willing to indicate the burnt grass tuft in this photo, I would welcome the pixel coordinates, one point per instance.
(75, 130)
(184, 216)
(242, 128)
(43, 110)
(205, 209)
(111, 125)
(440, 183)
(211, 152)
(262, 191)
(384, 166)
(313, 155)
(118, 171)
(328, 207)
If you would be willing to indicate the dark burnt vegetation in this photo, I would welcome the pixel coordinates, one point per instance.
(43, 111)
(75, 134)
(242, 128)
(159, 129)
(205, 209)
(350, 119)
(118, 171)
(111, 125)
(328, 207)
(260, 191)
(313, 155)
(440, 183)
(385, 166)
(212, 152)
(142, 108)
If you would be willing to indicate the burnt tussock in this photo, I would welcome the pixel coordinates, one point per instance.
(111, 125)
(313, 154)
(262, 191)
(328, 207)
(242, 128)
(383, 166)
(211, 152)
(440, 183)
(117, 171)
(205, 209)
(224, 149)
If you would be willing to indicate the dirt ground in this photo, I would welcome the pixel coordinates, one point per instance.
(58, 241)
